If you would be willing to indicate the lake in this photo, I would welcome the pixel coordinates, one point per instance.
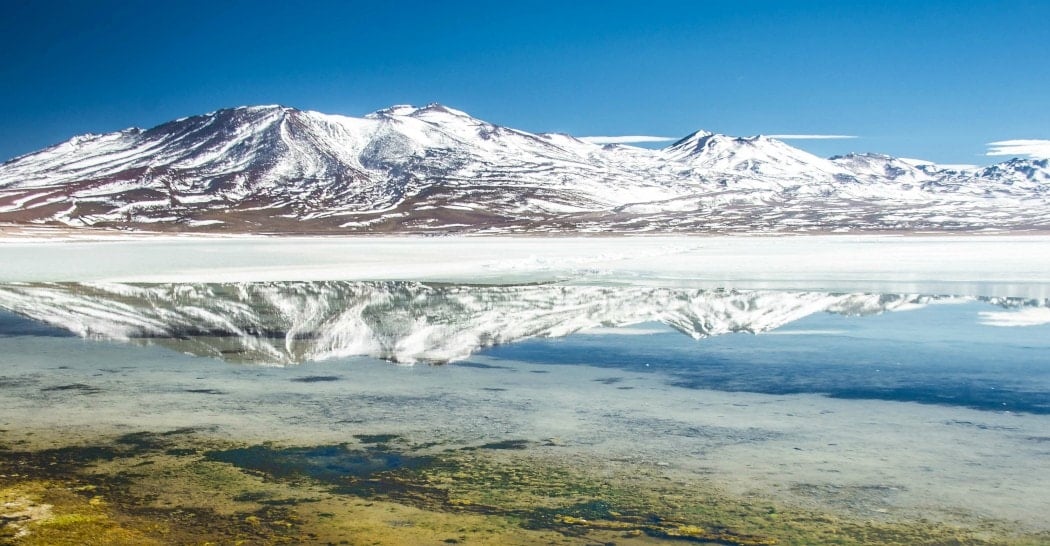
(544, 392)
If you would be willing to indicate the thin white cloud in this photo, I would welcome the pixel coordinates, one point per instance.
(812, 137)
(628, 139)
(1033, 147)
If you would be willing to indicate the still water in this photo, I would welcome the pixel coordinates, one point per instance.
(404, 412)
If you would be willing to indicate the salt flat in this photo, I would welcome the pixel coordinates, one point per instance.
(994, 265)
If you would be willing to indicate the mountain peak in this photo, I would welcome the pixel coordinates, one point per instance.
(400, 110)
(435, 107)
(395, 110)
(261, 107)
(861, 155)
(705, 142)
(753, 156)
(693, 139)
(253, 111)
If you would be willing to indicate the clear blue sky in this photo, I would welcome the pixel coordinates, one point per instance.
(935, 80)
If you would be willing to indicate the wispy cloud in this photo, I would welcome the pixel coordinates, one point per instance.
(1033, 148)
(812, 137)
(628, 139)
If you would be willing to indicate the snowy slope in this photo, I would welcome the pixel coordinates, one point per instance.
(436, 169)
(756, 156)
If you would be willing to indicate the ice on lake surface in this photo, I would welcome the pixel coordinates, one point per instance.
(1013, 266)
(871, 406)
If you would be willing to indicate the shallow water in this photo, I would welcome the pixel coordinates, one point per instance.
(559, 413)
(942, 354)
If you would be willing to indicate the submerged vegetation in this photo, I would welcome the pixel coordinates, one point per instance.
(186, 487)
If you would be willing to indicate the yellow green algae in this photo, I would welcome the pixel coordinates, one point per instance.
(189, 487)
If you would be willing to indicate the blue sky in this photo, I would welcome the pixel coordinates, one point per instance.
(936, 80)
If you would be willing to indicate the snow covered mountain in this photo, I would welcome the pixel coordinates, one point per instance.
(435, 169)
(283, 323)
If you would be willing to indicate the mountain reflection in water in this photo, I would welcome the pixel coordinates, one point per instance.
(279, 323)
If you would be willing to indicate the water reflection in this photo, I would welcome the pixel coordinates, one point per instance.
(292, 322)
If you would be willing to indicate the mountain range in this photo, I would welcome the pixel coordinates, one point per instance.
(433, 169)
